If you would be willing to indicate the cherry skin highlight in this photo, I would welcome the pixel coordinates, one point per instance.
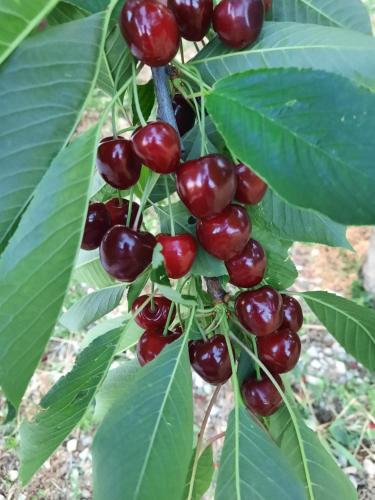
(96, 225)
(250, 188)
(179, 253)
(149, 317)
(261, 396)
(247, 269)
(193, 17)
(292, 313)
(118, 212)
(184, 114)
(152, 342)
(210, 359)
(279, 351)
(225, 235)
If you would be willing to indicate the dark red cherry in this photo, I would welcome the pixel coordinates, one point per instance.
(184, 114)
(118, 212)
(267, 5)
(261, 396)
(152, 316)
(125, 253)
(225, 235)
(247, 268)
(117, 163)
(158, 146)
(179, 253)
(250, 187)
(97, 224)
(193, 17)
(210, 359)
(238, 22)
(152, 342)
(150, 30)
(260, 311)
(292, 313)
(279, 350)
(206, 185)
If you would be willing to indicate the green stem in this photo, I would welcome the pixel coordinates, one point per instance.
(170, 313)
(169, 206)
(136, 97)
(255, 349)
(151, 181)
(130, 208)
(114, 126)
(194, 77)
(182, 53)
(152, 296)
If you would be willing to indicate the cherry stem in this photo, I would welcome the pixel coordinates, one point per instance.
(212, 440)
(114, 126)
(196, 47)
(169, 206)
(152, 304)
(136, 96)
(150, 184)
(119, 198)
(182, 53)
(170, 312)
(130, 208)
(255, 349)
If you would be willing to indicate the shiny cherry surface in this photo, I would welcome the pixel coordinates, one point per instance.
(184, 114)
(179, 253)
(96, 225)
(238, 22)
(150, 30)
(152, 342)
(250, 187)
(152, 316)
(247, 269)
(279, 350)
(206, 185)
(210, 359)
(292, 313)
(117, 163)
(225, 235)
(125, 253)
(260, 311)
(261, 396)
(158, 146)
(193, 17)
(118, 210)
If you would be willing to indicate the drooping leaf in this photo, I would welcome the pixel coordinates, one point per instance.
(203, 476)
(146, 96)
(90, 271)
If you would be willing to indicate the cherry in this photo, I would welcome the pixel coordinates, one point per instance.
(225, 235)
(210, 359)
(260, 311)
(261, 396)
(158, 146)
(279, 350)
(117, 163)
(250, 187)
(184, 114)
(150, 30)
(97, 224)
(152, 342)
(179, 253)
(118, 212)
(267, 5)
(238, 22)
(125, 253)
(292, 313)
(206, 185)
(247, 268)
(193, 17)
(152, 317)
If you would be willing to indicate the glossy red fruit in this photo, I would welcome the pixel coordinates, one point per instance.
(238, 22)
(193, 17)
(292, 313)
(150, 30)
(250, 187)
(279, 350)
(152, 342)
(261, 396)
(118, 212)
(117, 163)
(184, 114)
(152, 317)
(179, 253)
(210, 359)
(260, 311)
(158, 146)
(225, 235)
(247, 269)
(125, 253)
(267, 5)
(97, 224)
(206, 185)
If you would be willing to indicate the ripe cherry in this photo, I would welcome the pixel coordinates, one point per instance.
(250, 187)
(97, 224)
(247, 269)
(279, 350)
(238, 22)
(179, 253)
(260, 311)
(184, 114)
(225, 235)
(117, 163)
(158, 146)
(261, 396)
(118, 212)
(152, 342)
(193, 17)
(152, 316)
(292, 313)
(125, 253)
(150, 30)
(206, 185)
(210, 359)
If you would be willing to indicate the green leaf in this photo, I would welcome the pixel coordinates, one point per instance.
(203, 475)
(293, 45)
(43, 90)
(326, 166)
(146, 96)
(147, 432)
(157, 256)
(135, 288)
(64, 13)
(175, 296)
(159, 193)
(92, 307)
(192, 139)
(90, 271)
(252, 466)
(35, 267)
(65, 404)
(352, 325)
(102, 328)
